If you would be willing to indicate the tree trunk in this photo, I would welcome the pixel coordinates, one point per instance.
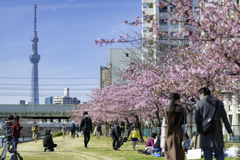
(191, 122)
(128, 126)
(196, 137)
(159, 119)
(139, 125)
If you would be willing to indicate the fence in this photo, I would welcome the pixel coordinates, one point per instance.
(226, 137)
(235, 138)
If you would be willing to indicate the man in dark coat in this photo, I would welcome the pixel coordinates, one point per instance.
(15, 131)
(212, 141)
(116, 133)
(86, 127)
(48, 141)
(72, 129)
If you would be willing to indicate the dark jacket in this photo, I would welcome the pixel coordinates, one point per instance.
(15, 131)
(205, 108)
(157, 144)
(73, 128)
(86, 124)
(116, 130)
(48, 141)
(98, 128)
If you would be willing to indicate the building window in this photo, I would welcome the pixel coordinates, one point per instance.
(163, 21)
(171, 8)
(127, 55)
(164, 9)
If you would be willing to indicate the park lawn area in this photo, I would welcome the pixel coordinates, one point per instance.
(73, 149)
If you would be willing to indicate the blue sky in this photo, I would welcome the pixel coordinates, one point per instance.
(66, 31)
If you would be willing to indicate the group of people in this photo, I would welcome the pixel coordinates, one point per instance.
(208, 115)
(13, 129)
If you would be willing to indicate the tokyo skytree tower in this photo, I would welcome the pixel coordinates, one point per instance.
(34, 59)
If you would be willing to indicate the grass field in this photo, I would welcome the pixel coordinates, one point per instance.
(73, 149)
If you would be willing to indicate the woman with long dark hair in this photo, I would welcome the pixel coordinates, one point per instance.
(174, 137)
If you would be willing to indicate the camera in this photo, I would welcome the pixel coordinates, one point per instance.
(120, 142)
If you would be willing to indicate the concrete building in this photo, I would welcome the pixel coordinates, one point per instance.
(120, 59)
(22, 102)
(49, 100)
(153, 12)
(105, 76)
(66, 99)
(232, 107)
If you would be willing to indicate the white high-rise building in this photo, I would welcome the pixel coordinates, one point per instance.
(154, 12)
(66, 99)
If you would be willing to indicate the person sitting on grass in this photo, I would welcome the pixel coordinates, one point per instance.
(186, 142)
(150, 142)
(48, 141)
(157, 147)
(134, 135)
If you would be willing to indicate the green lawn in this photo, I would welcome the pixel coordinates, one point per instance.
(72, 149)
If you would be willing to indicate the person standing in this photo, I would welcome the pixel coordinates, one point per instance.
(157, 147)
(35, 130)
(134, 135)
(116, 133)
(98, 131)
(174, 136)
(72, 129)
(207, 108)
(86, 127)
(192, 143)
(15, 131)
(64, 130)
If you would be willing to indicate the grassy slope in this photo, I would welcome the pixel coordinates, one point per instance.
(99, 149)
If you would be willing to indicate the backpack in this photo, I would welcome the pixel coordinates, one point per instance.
(208, 124)
(73, 128)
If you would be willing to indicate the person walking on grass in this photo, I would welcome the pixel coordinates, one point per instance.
(116, 133)
(174, 137)
(210, 110)
(15, 131)
(64, 130)
(98, 131)
(35, 130)
(134, 135)
(72, 129)
(86, 127)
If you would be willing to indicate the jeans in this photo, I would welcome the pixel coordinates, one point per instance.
(134, 144)
(86, 138)
(115, 139)
(157, 149)
(77, 134)
(219, 155)
(15, 142)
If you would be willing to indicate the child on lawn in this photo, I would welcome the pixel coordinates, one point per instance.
(134, 135)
